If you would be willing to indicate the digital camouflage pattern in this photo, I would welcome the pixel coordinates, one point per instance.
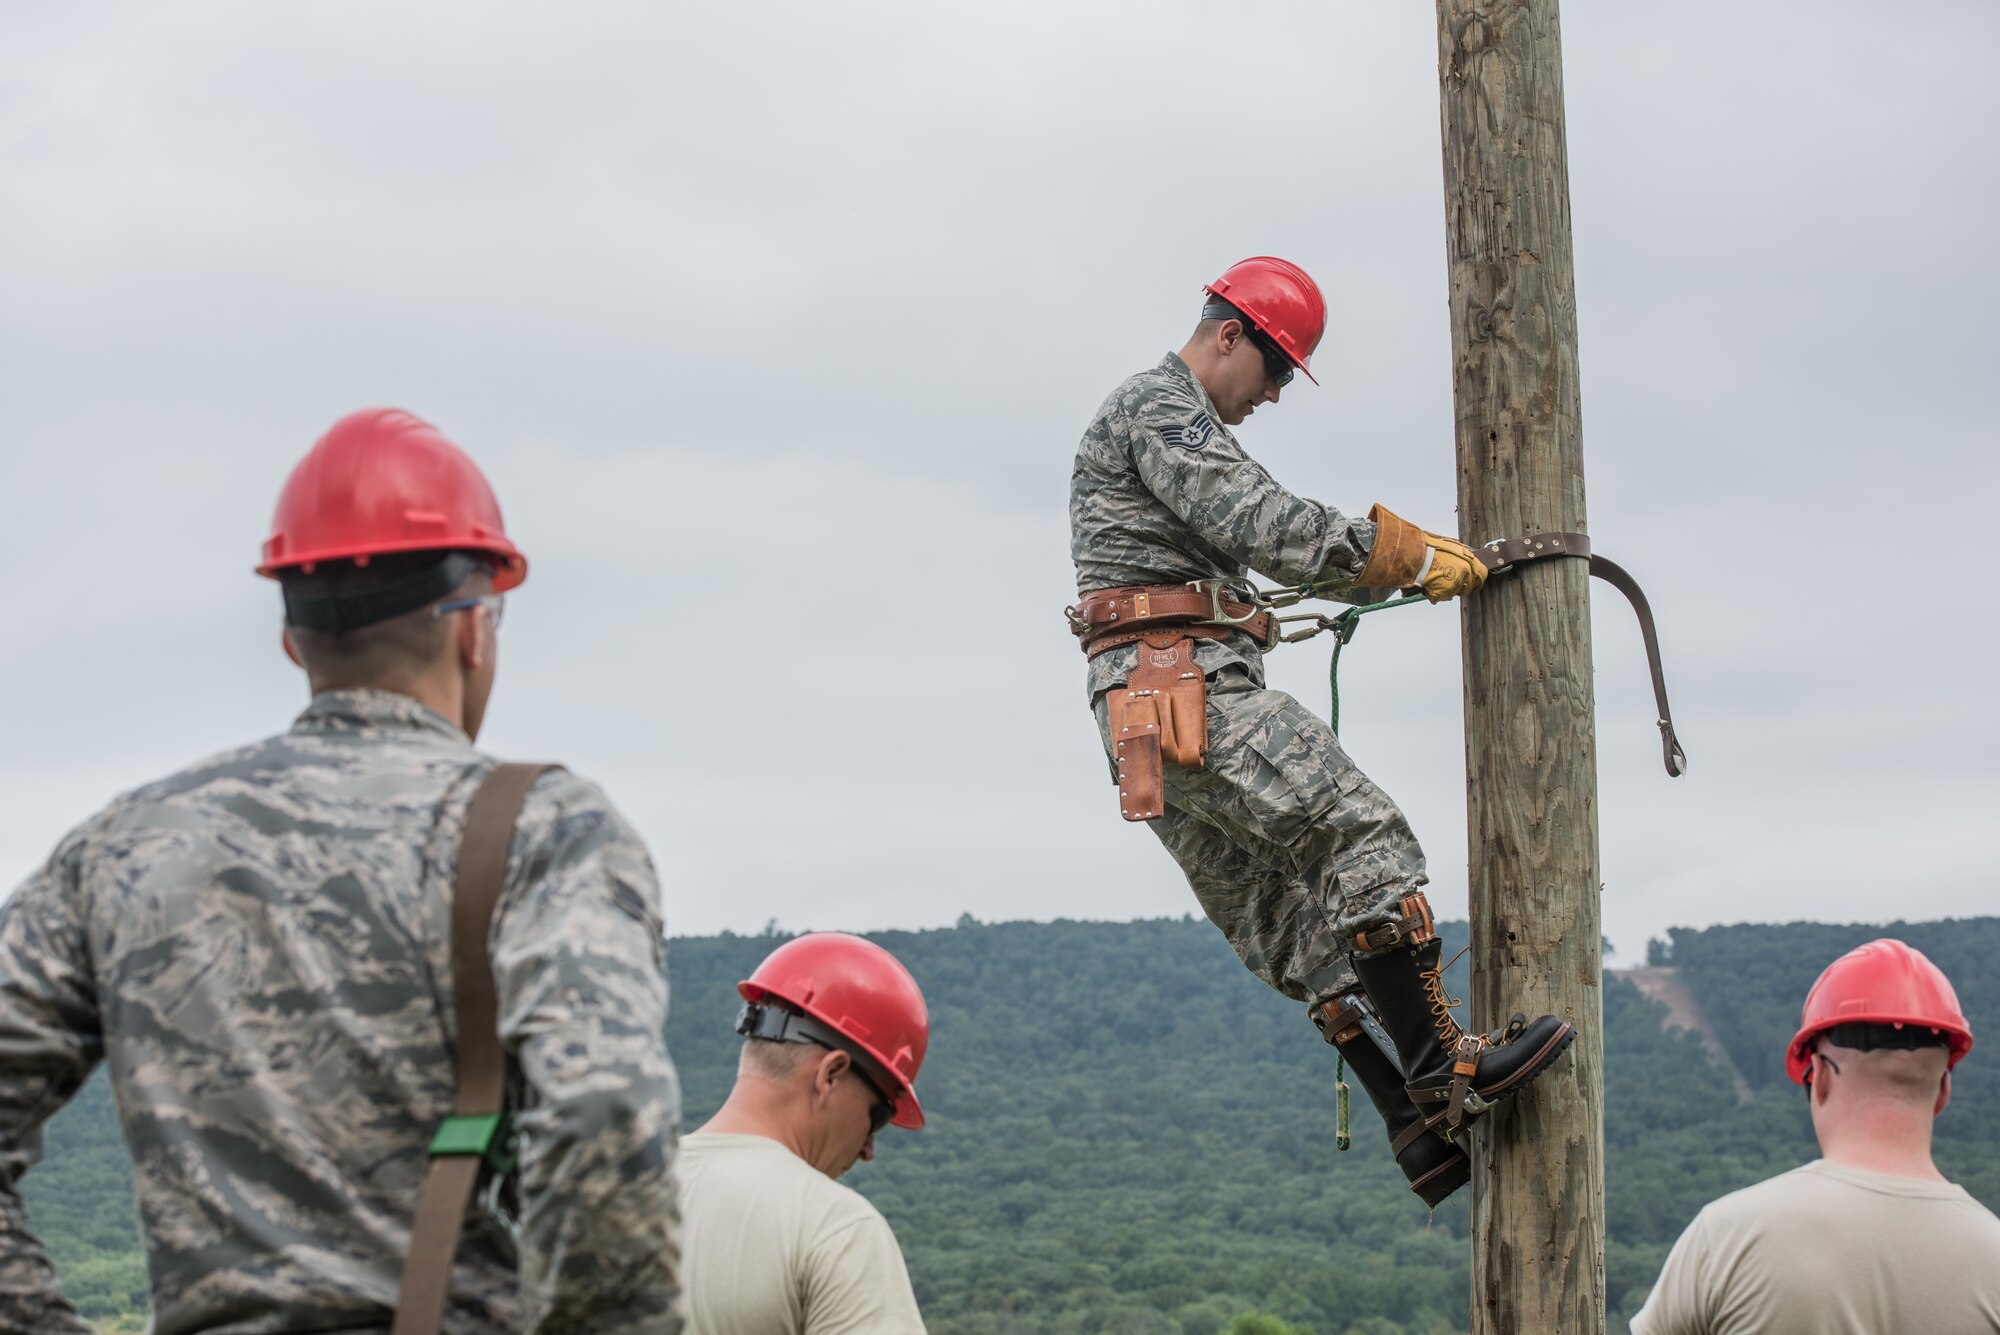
(259, 948)
(1163, 493)
(1286, 844)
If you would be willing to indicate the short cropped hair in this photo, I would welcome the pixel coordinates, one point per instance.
(1892, 1059)
(390, 650)
(776, 1060)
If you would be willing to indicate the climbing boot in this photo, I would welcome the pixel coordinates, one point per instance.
(1434, 1166)
(1451, 1074)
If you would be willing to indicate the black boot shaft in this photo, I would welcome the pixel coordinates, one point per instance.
(1434, 1166)
(1452, 1075)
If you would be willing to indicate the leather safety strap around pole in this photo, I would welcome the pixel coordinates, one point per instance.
(1614, 574)
(1507, 553)
(474, 1132)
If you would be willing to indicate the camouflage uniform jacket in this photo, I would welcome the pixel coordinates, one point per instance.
(1162, 493)
(259, 948)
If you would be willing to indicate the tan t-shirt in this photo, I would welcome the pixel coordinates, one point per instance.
(772, 1246)
(1827, 1250)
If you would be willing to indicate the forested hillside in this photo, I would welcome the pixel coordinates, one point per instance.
(1129, 1134)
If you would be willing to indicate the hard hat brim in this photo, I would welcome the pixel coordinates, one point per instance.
(510, 568)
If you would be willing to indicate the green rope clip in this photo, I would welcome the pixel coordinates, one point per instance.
(1343, 630)
(1340, 1138)
(484, 1135)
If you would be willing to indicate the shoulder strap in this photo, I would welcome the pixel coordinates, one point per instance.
(473, 1131)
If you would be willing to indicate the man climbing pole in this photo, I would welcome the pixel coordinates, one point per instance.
(1308, 868)
(263, 949)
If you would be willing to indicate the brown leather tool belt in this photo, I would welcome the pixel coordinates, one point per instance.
(1160, 716)
(1105, 619)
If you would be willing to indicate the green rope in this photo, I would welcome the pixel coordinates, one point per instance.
(1343, 629)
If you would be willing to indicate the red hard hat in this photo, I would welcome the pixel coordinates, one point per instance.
(1883, 982)
(381, 481)
(1282, 300)
(861, 992)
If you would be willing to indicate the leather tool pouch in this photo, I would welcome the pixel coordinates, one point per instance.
(1159, 718)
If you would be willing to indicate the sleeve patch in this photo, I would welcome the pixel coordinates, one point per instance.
(1192, 436)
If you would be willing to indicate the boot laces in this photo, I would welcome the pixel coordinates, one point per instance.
(1441, 1002)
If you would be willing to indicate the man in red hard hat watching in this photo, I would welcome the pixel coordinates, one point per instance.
(834, 1032)
(1307, 867)
(1871, 1238)
(264, 950)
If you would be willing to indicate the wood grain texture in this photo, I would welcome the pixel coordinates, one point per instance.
(1531, 756)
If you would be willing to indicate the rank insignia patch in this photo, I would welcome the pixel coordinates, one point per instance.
(1190, 437)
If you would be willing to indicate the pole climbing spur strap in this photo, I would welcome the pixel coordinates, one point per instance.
(475, 1135)
(1505, 554)
(1412, 925)
(1464, 1068)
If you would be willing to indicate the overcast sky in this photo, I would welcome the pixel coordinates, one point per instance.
(775, 326)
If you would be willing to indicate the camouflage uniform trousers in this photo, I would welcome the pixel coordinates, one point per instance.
(1289, 847)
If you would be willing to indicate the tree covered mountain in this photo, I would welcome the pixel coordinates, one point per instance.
(1128, 1134)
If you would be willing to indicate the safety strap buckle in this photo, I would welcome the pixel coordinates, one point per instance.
(1386, 937)
(1414, 927)
(482, 1134)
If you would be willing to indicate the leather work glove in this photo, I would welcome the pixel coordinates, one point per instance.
(1405, 556)
(1453, 572)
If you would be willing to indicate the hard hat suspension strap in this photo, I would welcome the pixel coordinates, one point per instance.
(1866, 1037)
(780, 1024)
(336, 611)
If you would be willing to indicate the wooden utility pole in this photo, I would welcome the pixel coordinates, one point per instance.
(1530, 736)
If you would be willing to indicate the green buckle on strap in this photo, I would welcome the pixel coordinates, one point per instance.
(484, 1135)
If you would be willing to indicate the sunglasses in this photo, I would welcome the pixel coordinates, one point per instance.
(494, 603)
(1276, 364)
(884, 1110)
